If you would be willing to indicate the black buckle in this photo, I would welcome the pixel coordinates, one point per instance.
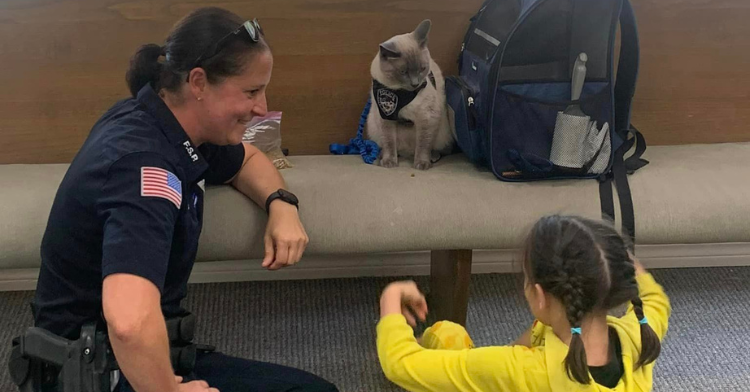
(205, 348)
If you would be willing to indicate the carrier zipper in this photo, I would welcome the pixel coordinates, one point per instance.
(468, 100)
(472, 115)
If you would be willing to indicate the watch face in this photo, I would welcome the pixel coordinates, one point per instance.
(288, 196)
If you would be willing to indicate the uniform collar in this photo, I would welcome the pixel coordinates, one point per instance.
(191, 159)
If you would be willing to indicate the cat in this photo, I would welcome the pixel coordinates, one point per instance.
(400, 122)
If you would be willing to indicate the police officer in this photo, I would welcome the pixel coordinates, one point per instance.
(123, 231)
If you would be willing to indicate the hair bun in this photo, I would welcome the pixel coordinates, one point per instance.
(145, 68)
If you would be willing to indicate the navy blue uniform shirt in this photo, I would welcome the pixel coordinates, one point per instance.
(131, 202)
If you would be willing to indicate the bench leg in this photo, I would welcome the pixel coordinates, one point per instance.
(450, 273)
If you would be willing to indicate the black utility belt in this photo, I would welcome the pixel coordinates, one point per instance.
(182, 351)
(40, 359)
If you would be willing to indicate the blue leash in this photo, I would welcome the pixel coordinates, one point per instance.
(368, 149)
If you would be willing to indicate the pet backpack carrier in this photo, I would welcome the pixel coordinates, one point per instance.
(536, 96)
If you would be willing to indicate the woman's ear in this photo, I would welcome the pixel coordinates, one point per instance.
(197, 82)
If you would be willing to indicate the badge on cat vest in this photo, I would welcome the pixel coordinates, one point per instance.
(390, 102)
(387, 101)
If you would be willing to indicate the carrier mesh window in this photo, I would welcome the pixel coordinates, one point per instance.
(547, 42)
(539, 48)
(493, 27)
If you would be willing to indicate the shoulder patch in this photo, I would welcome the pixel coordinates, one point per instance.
(157, 182)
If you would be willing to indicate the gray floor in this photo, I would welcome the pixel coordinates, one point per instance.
(328, 326)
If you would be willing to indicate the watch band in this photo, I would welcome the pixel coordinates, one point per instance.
(280, 194)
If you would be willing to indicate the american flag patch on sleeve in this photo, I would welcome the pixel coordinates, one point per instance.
(157, 182)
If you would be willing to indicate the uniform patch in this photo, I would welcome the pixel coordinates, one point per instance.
(390, 102)
(157, 182)
(387, 101)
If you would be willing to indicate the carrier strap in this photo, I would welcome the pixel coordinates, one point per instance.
(627, 74)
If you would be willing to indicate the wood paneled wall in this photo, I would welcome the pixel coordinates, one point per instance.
(64, 61)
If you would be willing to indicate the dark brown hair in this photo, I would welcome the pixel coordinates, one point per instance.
(191, 37)
(585, 264)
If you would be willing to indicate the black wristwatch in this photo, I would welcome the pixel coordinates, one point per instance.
(284, 195)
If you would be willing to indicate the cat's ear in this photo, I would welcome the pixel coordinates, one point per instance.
(388, 50)
(422, 31)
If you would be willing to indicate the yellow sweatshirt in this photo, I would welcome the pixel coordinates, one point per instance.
(516, 368)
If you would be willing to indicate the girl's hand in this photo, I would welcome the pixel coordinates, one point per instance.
(405, 298)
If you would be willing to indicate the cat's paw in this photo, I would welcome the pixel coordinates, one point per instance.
(422, 165)
(389, 162)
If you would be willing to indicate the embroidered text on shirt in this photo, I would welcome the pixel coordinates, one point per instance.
(190, 150)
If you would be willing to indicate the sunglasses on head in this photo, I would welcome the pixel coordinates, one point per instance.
(249, 30)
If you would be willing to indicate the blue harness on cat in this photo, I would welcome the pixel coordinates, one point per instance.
(368, 149)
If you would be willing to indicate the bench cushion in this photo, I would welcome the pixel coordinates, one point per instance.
(689, 194)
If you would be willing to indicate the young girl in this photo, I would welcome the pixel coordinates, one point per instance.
(575, 271)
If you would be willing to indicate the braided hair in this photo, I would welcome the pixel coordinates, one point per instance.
(585, 264)
(650, 344)
(624, 287)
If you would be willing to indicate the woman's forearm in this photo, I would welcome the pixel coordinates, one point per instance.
(258, 178)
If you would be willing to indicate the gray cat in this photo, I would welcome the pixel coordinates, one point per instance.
(408, 116)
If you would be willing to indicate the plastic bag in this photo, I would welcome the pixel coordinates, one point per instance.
(265, 134)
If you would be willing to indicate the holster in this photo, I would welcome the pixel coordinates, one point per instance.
(41, 361)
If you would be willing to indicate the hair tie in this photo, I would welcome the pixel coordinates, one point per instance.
(644, 320)
(575, 331)
(165, 53)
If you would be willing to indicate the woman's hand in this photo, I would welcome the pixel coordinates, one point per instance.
(193, 386)
(285, 237)
(403, 297)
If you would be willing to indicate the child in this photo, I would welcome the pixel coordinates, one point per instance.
(575, 271)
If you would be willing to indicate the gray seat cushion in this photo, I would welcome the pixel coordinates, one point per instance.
(687, 195)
